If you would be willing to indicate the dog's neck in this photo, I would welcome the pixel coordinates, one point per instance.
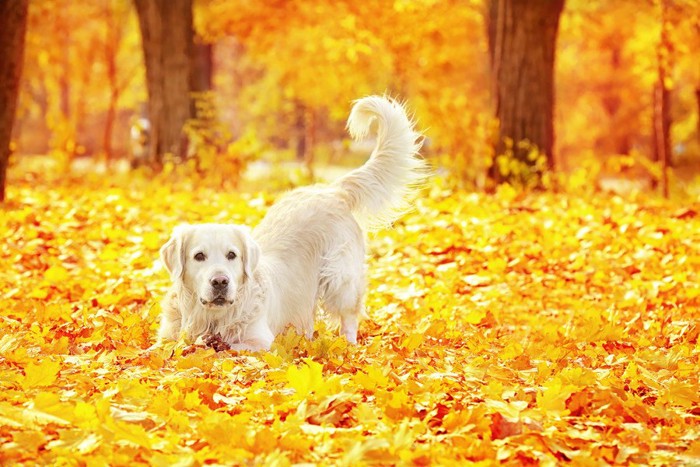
(229, 321)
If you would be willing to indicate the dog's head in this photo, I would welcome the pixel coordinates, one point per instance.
(211, 261)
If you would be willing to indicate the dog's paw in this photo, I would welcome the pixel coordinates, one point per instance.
(216, 342)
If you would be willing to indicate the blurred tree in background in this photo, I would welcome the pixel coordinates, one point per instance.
(522, 43)
(120, 76)
(607, 75)
(13, 24)
(167, 36)
(82, 58)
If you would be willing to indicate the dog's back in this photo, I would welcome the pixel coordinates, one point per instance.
(312, 245)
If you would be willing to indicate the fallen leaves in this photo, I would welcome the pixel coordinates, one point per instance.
(519, 328)
(43, 374)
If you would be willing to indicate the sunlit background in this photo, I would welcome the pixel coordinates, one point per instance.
(550, 323)
(283, 74)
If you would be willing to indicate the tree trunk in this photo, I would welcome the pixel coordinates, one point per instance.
(309, 140)
(201, 74)
(620, 141)
(299, 130)
(13, 28)
(662, 131)
(202, 70)
(522, 41)
(109, 126)
(697, 99)
(167, 37)
(662, 108)
(113, 37)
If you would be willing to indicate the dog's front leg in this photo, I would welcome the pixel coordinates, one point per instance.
(170, 321)
(256, 337)
(219, 344)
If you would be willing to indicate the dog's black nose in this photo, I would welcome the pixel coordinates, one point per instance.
(219, 282)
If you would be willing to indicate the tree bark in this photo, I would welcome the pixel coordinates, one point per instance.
(167, 36)
(697, 101)
(662, 101)
(13, 28)
(202, 71)
(113, 37)
(109, 126)
(309, 140)
(620, 141)
(522, 41)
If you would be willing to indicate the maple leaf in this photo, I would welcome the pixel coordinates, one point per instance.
(371, 378)
(43, 374)
(554, 395)
(56, 274)
(305, 378)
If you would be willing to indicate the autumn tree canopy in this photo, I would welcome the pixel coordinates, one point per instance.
(285, 72)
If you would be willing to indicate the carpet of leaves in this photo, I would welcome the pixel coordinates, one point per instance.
(525, 329)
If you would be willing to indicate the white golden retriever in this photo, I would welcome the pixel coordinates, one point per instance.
(238, 289)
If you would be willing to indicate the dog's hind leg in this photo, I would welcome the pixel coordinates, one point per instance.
(348, 327)
(344, 291)
(346, 304)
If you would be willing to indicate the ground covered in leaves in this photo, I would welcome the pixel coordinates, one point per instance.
(533, 328)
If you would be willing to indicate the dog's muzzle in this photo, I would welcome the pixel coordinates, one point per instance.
(219, 291)
(217, 300)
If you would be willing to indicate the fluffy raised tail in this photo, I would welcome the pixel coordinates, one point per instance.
(383, 188)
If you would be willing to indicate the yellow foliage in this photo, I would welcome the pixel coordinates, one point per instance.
(516, 327)
(43, 374)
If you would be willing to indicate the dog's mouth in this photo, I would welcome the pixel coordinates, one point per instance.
(217, 301)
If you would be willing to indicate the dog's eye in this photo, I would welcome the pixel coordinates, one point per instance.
(199, 257)
(231, 255)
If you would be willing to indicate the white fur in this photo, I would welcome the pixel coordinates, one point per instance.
(307, 251)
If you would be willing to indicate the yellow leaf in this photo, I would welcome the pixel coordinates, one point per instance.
(371, 378)
(412, 342)
(227, 366)
(192, 400)
(88, 444)
(56, 274)
(8, 343)
(554, 395)
(201, 358)
(398, 404)
(41, 293)
(220, 429)
(511, 350)
(27, 417)
(85, 415)
(43, 374)
(152, 240)
(682, 394)
(475, 316)
(305, 378)
(272, 359)
(455, 420)
(29, 440)
(496, 265)
(130, 432)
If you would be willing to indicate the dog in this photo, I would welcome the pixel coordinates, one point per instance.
(237, 289)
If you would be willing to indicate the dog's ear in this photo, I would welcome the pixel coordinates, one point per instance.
(251, 250)
(173, 253)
